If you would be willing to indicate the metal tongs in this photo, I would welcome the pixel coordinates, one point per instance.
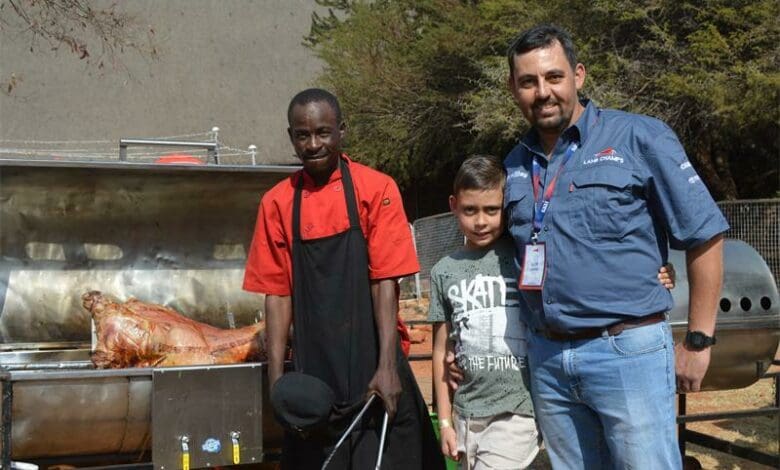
(352, 426)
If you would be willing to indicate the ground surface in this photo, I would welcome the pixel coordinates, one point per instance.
(759, 433)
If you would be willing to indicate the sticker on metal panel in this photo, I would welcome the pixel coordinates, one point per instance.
(211, 445)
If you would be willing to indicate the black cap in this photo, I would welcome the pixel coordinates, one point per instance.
(302, 403)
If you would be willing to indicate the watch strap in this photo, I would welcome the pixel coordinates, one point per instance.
(699, 340)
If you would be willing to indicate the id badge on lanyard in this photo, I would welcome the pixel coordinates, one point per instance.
(533, 272)
(534, 267)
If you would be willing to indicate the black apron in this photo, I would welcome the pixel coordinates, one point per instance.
(335, 339)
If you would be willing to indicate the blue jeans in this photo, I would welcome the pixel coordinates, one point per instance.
(607, 402)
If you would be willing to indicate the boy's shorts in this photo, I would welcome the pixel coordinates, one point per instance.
(505, 441)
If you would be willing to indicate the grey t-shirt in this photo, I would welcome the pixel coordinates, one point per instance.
(476, 291)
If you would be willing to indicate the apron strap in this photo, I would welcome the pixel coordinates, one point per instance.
(349, 195)
(296, 214)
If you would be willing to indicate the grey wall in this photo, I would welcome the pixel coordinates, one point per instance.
(229, 63)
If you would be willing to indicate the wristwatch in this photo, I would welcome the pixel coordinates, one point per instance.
(697, 340)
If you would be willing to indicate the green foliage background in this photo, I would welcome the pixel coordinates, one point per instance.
(422, 82)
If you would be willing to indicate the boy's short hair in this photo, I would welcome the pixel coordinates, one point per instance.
(480, 172)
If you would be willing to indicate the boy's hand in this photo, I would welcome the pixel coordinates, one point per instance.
(449, 443)
(666, 276)
(454, 373)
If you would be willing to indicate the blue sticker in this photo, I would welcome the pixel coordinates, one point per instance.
(212, 446)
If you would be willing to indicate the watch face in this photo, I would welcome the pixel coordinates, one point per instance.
(698, 340)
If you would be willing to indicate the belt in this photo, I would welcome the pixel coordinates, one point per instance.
(612, 330)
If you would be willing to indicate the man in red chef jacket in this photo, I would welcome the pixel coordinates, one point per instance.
(330, 243)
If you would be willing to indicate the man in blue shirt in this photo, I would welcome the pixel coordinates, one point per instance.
(594, 198)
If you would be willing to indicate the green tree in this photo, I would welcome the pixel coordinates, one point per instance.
(423, 82)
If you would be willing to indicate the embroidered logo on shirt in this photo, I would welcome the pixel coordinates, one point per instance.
(518, 174)
(386, 201)
(607, 155)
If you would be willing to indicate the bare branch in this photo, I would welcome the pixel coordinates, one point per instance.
(93, 34)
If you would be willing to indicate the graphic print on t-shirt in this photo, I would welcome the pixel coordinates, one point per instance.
(486, 326)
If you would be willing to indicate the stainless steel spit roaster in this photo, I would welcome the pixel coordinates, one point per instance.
(748, 326)
(176, 236)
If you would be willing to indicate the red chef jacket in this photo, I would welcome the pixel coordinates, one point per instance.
(391, 252)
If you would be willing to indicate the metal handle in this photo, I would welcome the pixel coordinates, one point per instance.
(234, 435)
(185, 453)
(211, 147)
(382, 442)
(349, 430)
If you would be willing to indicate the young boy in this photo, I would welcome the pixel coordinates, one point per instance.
(475, 303)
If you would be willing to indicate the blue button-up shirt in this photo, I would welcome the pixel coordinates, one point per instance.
(625, 196)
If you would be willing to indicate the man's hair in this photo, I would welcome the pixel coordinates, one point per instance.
(480, 172)
(314, 95)
(541, 36)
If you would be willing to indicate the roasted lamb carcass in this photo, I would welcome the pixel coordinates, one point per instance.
(139, 334)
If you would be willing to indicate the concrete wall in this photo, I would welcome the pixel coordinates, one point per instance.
(228, 63)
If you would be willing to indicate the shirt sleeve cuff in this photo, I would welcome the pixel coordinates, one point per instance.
(394, 274)
(262, 288)
(701, 237)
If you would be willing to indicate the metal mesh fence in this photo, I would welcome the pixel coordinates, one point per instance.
(435, 237)
(756, 222)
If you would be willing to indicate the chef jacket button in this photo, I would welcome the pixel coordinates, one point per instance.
(546, 228)
(549, 301)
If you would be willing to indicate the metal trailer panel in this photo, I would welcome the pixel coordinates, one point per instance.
(210, 416)
(89, 415)
(66, 412)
